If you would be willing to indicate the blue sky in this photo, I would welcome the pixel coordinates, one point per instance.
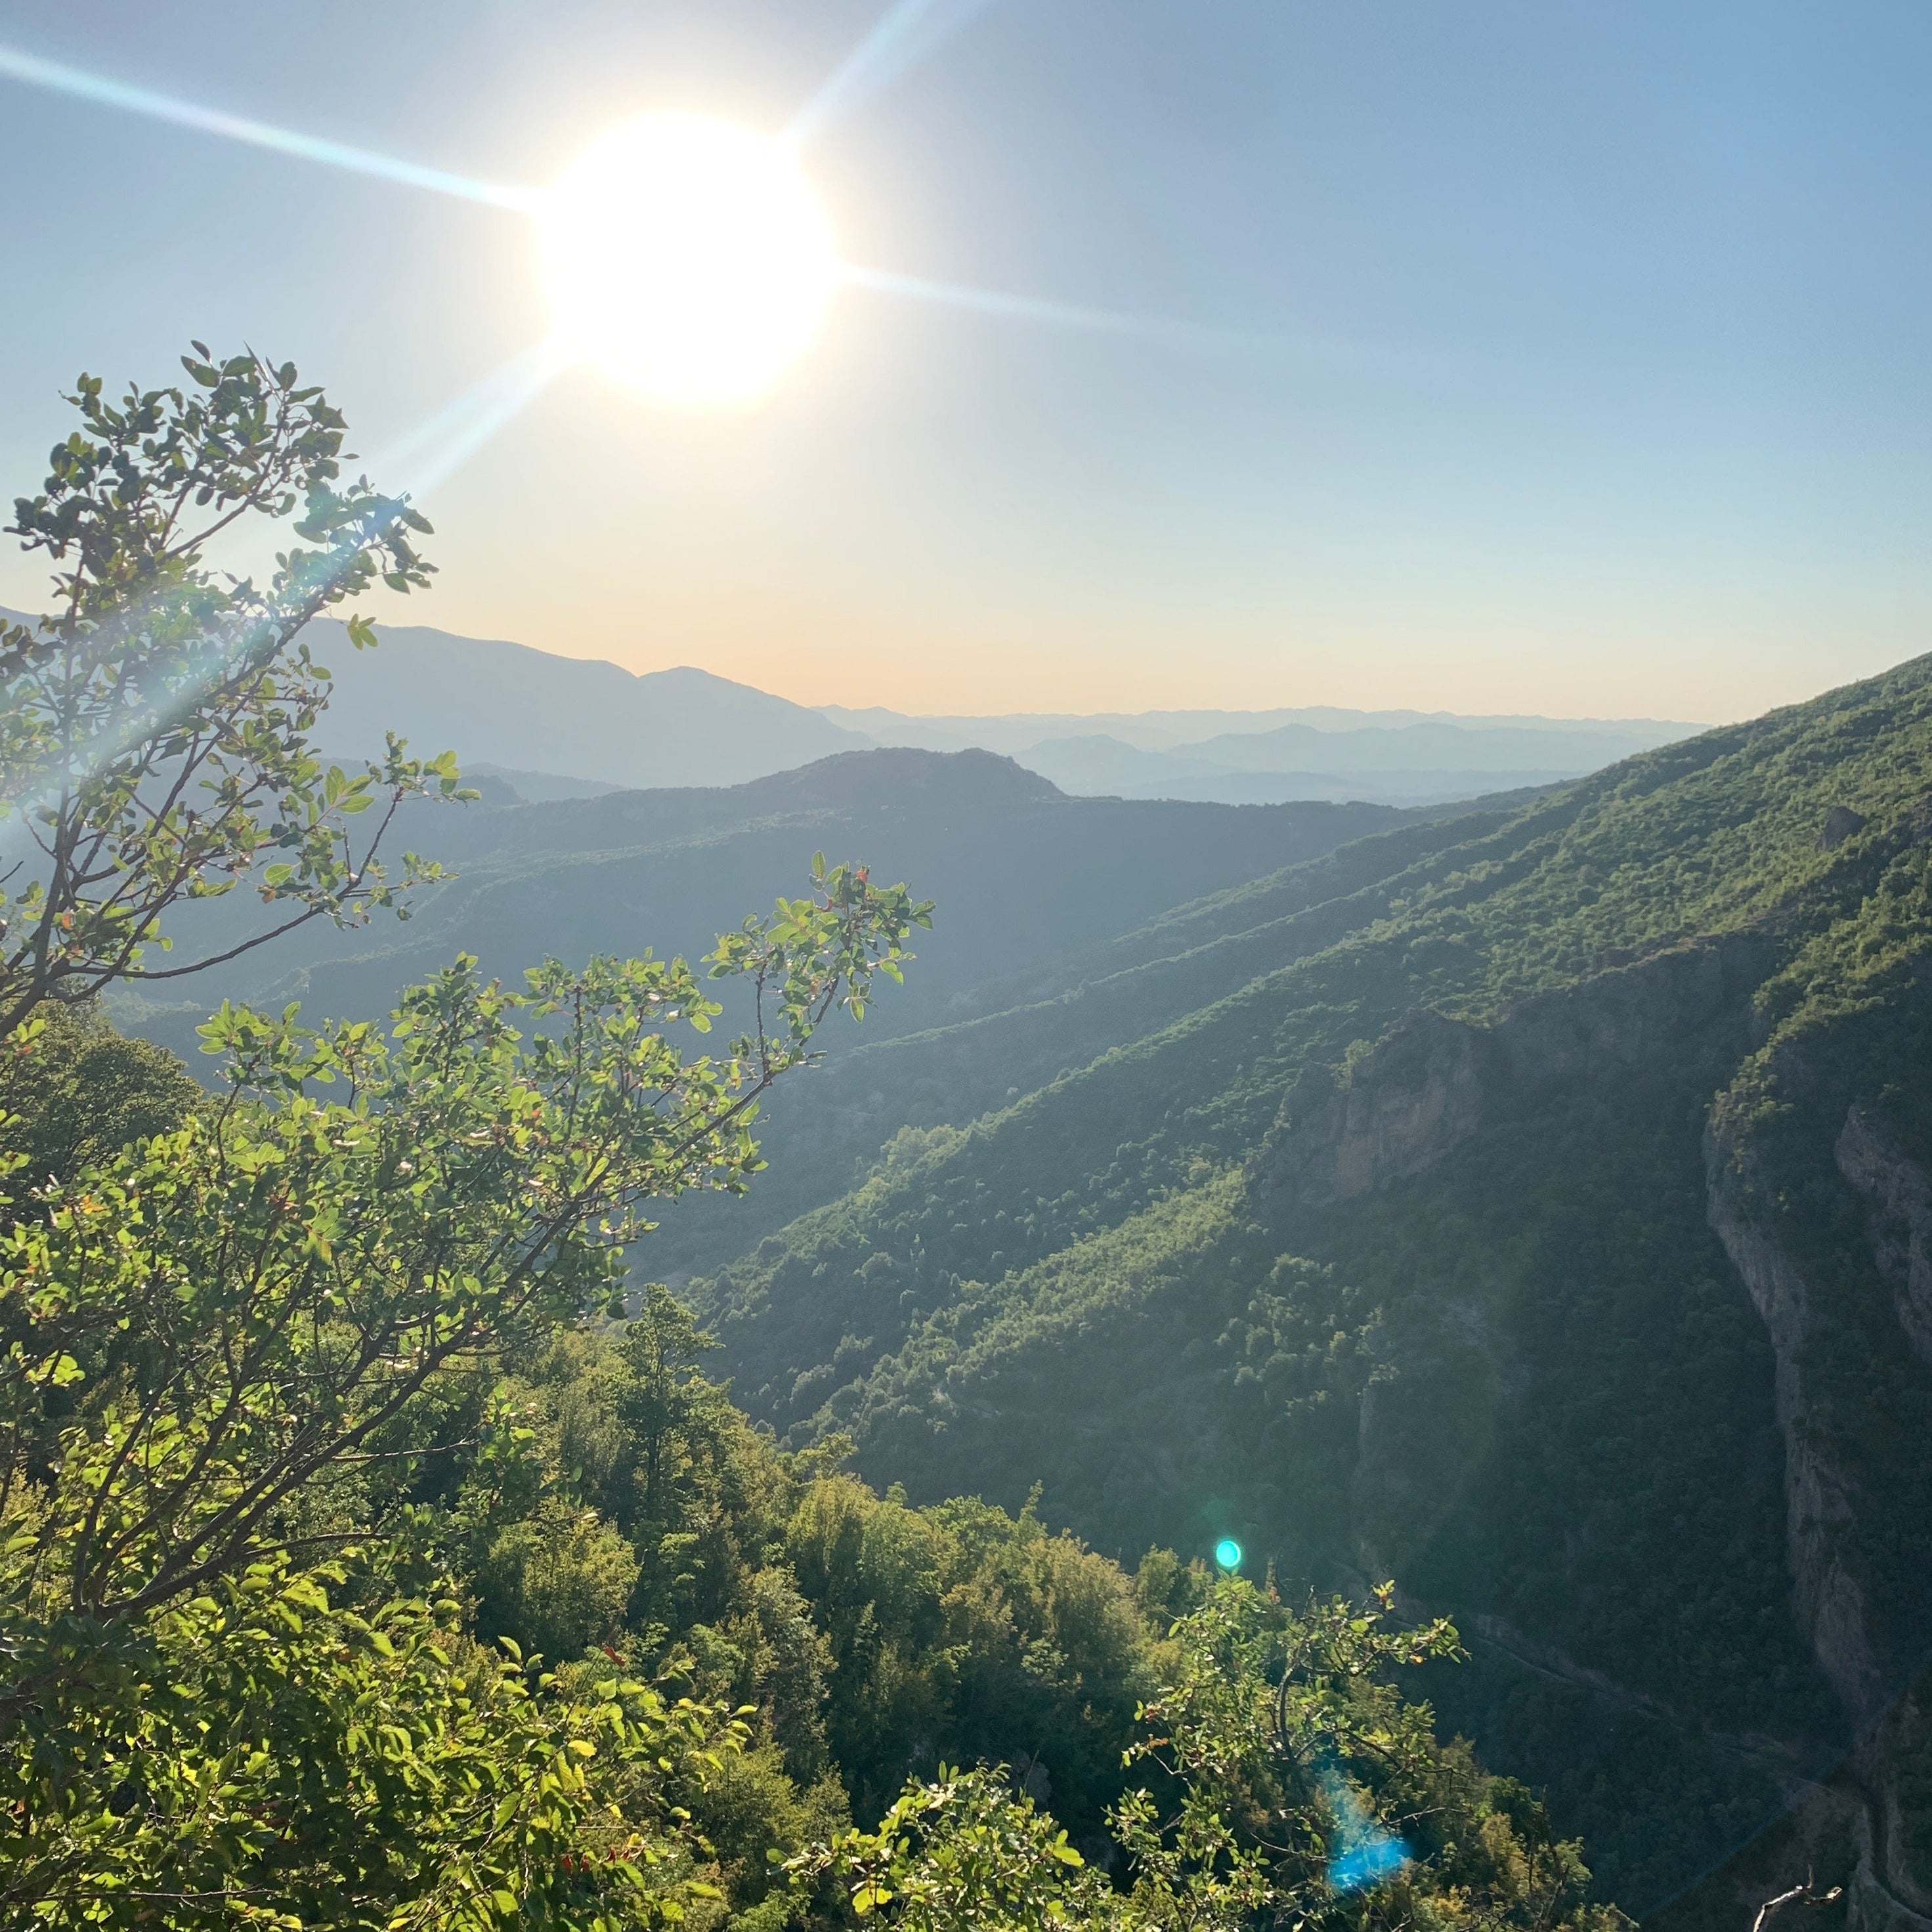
(1586, 369)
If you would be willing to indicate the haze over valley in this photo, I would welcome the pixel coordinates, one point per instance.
(586, 720)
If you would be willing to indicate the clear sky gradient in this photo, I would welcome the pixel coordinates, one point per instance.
(1577, 359)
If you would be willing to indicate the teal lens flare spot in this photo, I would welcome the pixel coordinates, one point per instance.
(1227, 1553)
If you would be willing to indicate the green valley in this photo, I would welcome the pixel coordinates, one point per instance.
(1546, 1230)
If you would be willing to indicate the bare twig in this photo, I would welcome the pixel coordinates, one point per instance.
(1806, 1894)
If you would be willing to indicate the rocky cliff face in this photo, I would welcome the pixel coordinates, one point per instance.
(1430, 1083)
(1421, 1092)
(1819, 1501)
(1900, 1196)
(1864, 1803)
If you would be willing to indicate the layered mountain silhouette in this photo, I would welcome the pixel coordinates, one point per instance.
(1024, 877)
(550, 727)
(526, 710)
(560, 721)
(1402, 757)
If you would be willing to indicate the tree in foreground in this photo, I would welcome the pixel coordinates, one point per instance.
(237, 1681)
(215, 1345)
(154, 733)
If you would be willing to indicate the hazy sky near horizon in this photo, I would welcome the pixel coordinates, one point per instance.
(1582, 362)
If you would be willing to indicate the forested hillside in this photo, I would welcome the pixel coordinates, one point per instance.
(1026, 879)
(1022, 1030)
(1533, 1207)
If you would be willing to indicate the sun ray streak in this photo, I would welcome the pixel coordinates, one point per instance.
(487, 405)
(440, 446)
(906, 34)
(220, 649)
(473, 420)
(1074, 316)
(17, 65)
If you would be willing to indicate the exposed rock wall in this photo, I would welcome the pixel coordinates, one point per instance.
(1631, 1014)
(1430, 1082)
(1870, 1157)
(1819, 1500)
(1422, 1091)
(1860, 1801)
(1433, 1082)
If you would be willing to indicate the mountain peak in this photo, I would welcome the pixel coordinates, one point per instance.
(971, 778)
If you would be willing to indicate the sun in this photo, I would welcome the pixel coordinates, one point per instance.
(687, 258)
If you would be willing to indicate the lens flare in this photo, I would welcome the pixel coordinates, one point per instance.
(686, 257)
(1227, 1553)
(432, 452)
(17, 65)
(1364, 1852)
(1006, 307)
(906, 35)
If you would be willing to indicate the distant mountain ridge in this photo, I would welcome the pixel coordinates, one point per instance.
(1424, 764)
(506, 704)
(1164, 731)
(1394, 758)
(565, 725)
(568, 720)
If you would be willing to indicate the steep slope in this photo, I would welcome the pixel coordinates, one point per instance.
(1554, 1237)
(1013, 1034)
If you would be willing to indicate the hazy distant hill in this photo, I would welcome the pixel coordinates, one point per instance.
(1420, 746)
(536, 787)
(1389, 767)
(1025, 878)
(1012, 732)
(576, 717)
(1535, 1206)
(1399, 758)
(554, 727)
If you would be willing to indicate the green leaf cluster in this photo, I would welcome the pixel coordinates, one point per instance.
(155, 740)
(239, 1677)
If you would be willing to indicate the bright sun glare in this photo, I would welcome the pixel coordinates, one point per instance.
(686, 257)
